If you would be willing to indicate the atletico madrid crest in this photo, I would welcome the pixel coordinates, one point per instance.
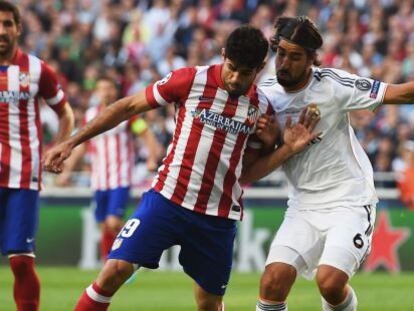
(24, 79)
(252, 114)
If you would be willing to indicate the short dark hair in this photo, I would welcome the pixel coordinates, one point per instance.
(247, 46)
(6, 6)
(300, 30)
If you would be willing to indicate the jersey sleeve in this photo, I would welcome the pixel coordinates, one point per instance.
(50, 89)
(173, 88)
(354, 92)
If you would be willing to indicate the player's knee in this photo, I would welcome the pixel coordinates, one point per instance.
(209, 304)
(114, 224)
(114, 274)
(276, 281)
(331, 283)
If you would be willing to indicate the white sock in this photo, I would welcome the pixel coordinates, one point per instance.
(349, 304)
(264, 305)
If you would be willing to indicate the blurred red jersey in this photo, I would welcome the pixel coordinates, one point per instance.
(21, 85)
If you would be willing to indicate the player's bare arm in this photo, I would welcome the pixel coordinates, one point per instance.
(295, 138)
(399, 93)
(111, 116)
(66, 122)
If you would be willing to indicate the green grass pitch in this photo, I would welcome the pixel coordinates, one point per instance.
(172, 291)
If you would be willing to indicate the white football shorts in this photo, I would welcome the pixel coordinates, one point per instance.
(339, 237)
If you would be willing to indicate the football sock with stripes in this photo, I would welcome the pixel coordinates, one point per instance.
(267, 305)
(349, 304)
(26, 283)
(93, 299)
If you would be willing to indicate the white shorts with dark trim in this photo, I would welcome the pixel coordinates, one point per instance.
(339, 237)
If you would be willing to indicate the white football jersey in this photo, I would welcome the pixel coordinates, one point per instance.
(334, 170)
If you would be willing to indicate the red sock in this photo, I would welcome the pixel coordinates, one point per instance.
(26, 283)
(107, 240)
(93, 299)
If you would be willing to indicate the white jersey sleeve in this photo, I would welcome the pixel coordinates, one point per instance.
(354, 92)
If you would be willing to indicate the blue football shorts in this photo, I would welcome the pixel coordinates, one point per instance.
(206, 241)
(111, 202)
(19, 214)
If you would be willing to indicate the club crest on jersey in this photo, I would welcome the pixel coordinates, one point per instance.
(219, 121)
(363, 84)
(252, 114)
(24, 79)
(165, 79)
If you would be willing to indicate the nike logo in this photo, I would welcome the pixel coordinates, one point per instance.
(205, 99)
(29, 240)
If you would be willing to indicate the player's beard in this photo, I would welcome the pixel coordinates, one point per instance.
(6, 45)
(284, 78)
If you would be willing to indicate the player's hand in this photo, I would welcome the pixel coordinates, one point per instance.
(298, 136)
(267, 130)
(53, 159)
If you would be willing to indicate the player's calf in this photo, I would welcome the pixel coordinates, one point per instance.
(276, 282)
(97, 296)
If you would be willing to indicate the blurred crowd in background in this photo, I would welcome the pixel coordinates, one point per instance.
(138, 42)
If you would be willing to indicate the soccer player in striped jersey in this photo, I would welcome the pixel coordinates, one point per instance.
(113, 159)
(196, 198)
(24, 79)
(328, 225)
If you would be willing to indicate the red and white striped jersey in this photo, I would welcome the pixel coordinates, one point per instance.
(203, 162)
(112, 154)
(21, 85)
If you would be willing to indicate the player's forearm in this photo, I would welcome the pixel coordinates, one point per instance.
(265, 165)
(399, 93)
(66, 123)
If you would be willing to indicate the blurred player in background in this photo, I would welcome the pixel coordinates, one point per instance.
(113, 160)
(24, 79)
(329, 222)
(196, 197)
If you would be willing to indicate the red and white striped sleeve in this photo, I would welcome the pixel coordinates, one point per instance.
(50, 89)
(172, 88)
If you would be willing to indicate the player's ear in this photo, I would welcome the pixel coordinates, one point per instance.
(19, 29)
(223, 54)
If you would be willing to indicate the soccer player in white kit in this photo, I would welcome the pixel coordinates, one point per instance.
(328, 225)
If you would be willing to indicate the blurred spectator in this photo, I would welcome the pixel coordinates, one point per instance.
(406, 178)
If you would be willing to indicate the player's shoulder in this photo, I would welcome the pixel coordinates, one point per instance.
(334, 76)
(270, 86)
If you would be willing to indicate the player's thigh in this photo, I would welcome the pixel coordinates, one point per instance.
(148, 232)
(348, 241)
(207, 250)
(100, 205)
(118, 201)
(21, 221)
(296, 243)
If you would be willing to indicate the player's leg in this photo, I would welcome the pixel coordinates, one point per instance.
(206, 256)
(22, 208)
(116, 204)
(347, 244)
(149, 231)
(286, 260)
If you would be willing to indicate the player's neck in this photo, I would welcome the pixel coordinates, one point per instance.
(8, 58)
(302, 84)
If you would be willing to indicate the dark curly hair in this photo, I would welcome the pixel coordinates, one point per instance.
(6, 6)
(300, 30)
(247, 46)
